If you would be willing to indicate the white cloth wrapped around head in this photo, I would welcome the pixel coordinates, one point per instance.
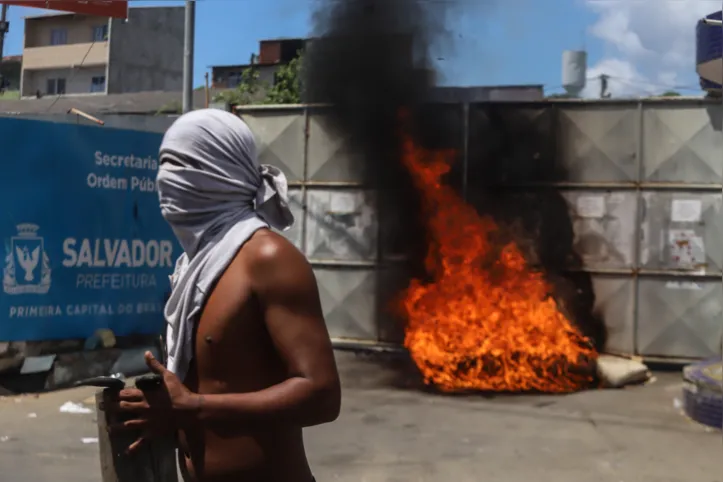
(209, 178)
(215, 196)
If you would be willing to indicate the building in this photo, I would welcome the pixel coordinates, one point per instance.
(709, 54)
(80, 54)
(10, 72)
(272, 55)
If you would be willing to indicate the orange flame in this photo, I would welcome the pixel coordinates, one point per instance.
(486, 321)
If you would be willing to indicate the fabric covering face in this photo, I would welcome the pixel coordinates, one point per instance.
(215, 196)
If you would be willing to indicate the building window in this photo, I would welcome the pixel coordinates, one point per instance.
(97, 84)
(100, 33)
(58, 36)
(234, 79)
(56, 86)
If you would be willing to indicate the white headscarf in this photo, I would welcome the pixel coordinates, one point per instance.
(215, 196)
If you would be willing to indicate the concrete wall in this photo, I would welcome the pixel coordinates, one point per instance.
(77, 81)
(146, 52)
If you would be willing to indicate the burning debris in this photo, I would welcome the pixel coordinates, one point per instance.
(478, 315)
(486, 321)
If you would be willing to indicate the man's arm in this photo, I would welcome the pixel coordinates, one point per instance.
(285, 286)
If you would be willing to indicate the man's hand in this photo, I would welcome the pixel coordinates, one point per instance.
(156, 412)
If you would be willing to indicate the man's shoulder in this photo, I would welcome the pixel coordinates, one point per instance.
(268, 255)
(268, 247)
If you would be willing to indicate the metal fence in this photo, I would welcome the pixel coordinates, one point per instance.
(644, 187)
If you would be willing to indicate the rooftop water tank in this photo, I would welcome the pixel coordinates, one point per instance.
(574, 71)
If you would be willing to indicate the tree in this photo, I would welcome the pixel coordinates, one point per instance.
(288, 86)
(670, 93)
(563, 95)
(247, 91)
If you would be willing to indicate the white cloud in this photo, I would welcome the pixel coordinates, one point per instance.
(649, 44)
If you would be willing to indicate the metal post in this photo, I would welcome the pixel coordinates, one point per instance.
(188, 45)
(3, 31)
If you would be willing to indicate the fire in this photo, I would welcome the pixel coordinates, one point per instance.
(486, 321)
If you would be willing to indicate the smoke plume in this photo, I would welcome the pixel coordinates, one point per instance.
(370, 60)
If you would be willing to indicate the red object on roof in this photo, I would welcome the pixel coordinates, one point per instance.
(101, 8)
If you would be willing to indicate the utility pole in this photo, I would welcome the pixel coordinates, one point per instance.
(604, 94)
(4, 27)
(188, 45)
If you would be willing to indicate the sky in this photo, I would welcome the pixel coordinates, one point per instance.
(645, 46)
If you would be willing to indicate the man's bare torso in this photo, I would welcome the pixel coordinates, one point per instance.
(234, 354)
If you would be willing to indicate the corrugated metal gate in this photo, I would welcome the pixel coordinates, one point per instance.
(644, 189)
(645, 195)
(337, 224)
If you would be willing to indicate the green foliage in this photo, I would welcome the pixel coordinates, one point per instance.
(246, 92)
(173, 107)
(10, 95)
(287, 88)
(563, 95)
(670, 93)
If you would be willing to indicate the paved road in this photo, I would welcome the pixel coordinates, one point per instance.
(389, 431)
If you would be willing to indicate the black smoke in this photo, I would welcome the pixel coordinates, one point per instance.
(371, 59)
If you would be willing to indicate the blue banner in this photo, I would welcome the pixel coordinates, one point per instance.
(85, 244)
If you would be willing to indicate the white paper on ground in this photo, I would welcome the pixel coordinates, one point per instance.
(70, 407)
(616, 372)
(89, 440)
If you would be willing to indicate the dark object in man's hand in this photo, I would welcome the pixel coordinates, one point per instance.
(150, 382)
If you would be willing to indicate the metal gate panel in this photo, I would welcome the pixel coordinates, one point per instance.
(520, 161)
(296, 204)
(280, 138)
(598, 145)
(330, 156)
(615, 302)
(682, 144)
(348, 298)
(390, 280)
(652, 165)
(341, 225)
(679, 317)
(682, 232)
(604, 227)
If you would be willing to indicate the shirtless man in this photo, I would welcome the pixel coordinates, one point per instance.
(259, 366)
